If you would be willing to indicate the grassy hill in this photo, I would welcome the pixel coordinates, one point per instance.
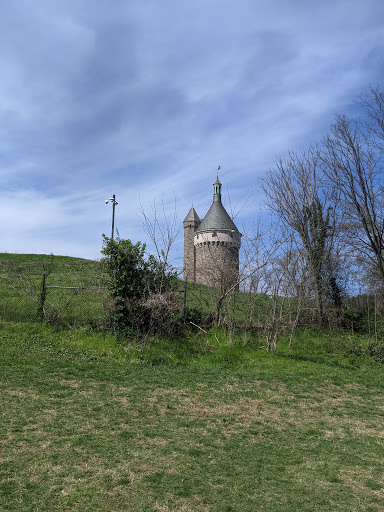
(37, 258)
(21, 277)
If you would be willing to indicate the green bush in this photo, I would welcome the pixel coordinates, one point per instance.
(376, 351)
(141, 290)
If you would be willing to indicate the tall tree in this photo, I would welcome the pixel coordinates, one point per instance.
(353, 162)
(293, 193)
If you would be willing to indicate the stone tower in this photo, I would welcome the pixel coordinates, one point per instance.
(211, 246)
(190, 224)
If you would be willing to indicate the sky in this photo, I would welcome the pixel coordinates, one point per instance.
(145, 99)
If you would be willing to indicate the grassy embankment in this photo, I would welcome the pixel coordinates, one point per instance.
(193, 425)
(21, 277)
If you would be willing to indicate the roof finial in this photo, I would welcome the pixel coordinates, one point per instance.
(217, 176)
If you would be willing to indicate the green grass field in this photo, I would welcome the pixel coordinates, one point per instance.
(194, 425)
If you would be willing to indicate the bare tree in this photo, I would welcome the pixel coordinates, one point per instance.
(162, 228)
(260, 244)
(353, 163)
(295, 194)
(372, 103)
(227, 280)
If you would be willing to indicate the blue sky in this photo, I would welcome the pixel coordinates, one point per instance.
(144, 99)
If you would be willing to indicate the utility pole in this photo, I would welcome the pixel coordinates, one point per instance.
(114, 203)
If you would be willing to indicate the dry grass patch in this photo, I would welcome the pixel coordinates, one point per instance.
(69, 382)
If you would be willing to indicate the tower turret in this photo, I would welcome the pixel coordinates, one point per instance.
(190, 224)
(217, 190)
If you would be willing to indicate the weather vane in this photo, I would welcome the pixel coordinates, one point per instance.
(218, 169)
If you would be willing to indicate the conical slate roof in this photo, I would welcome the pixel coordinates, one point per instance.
(192, 216)
(217, 218)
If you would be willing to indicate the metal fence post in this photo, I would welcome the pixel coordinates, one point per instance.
(43, 294)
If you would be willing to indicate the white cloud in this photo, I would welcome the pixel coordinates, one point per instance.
(148, 98)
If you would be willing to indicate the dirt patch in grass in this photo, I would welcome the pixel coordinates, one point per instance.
(69, 382)
(154, 441)
(124, 390)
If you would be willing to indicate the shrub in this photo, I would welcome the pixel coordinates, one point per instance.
(376, 351)
(140, 288)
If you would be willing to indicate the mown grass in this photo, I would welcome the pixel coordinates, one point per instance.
(193, 425)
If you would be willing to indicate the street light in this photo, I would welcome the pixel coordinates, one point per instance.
(114, 203)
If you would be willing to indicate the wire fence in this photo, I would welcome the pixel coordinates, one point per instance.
(73, 293)
(63, 292)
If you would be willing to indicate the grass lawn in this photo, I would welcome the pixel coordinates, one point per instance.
(86, 426)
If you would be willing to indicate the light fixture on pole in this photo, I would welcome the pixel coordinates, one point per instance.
(114, 203)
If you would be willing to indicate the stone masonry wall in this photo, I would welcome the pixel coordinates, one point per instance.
(217, 265)
(189, 253)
